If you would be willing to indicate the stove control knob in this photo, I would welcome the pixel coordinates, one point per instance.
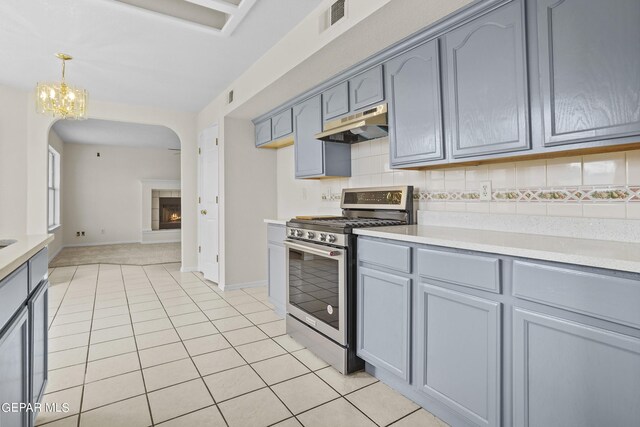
(311, 235)
(323, 237)
(298, 233)
(331, 238)
(292, 232)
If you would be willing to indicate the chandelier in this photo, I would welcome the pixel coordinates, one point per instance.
(60, 99)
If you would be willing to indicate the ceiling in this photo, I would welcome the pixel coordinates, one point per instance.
(126, 54)
(106, 132)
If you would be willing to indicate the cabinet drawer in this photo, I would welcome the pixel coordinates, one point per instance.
(474, 271)
(388, 255)
(281, 124)
(276, 233)
(38, 266)
(13, 292)
(608, 297)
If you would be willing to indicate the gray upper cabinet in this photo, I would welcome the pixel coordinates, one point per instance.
(570, 374)
(335, 101)
(309, 153)
(589, 60)
(14, 369)
(366, 89)
(384, 310)
(486, 101)
(281, 124)
(314, 158)
(458, 352)
(263, 132)
(415, 106)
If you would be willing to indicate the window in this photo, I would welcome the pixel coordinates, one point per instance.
(53, 189)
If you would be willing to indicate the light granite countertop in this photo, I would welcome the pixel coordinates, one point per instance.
(16, 254)
(621, 256)
(276, 221)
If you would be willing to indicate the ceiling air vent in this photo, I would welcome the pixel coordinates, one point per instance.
(337, 12)
(230, 97)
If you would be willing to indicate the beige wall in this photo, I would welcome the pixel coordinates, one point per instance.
(24, 138)
(103, 195)
(250, 196)
(13, 161)
(58, 241)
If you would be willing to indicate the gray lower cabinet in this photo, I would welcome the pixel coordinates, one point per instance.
(38, 322)
(486, 84)
(276, 265)
(384, 319)
(458, 352)
(314, 158)
(571, 374)
(14, 369)
(335, 101)
(589, 65)
(366, 89)
(415, 106)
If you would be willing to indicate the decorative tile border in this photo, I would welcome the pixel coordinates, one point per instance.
(547, 195)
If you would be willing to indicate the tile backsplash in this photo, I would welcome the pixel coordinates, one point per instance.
(595, 186)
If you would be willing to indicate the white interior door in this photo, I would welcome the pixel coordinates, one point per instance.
(208, 203)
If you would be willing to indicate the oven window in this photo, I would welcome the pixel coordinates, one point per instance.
(313, 286)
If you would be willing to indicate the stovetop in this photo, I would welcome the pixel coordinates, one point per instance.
(343, 224)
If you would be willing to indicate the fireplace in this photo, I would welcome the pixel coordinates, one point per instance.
(169, 213)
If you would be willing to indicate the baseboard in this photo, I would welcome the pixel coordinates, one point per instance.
(235, 286)
(77, 245)
(52, 255)
(188, 269)
(160, 241)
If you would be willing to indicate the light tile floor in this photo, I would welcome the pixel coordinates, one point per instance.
(142, 346)
(129, 253)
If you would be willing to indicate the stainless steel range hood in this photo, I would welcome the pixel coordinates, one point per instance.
(362, 126)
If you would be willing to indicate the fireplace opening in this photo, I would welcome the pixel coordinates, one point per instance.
(169, 213)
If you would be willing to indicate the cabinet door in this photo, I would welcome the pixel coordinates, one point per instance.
(486, 84)
(281, 124)
(309, 152)
(384, 320)
(366, 89)
(570, 374)
(458, 352)
(589, 60)
(14, 371)
(335, 101)
(277, 279)
(415, 107)
(38, 315)
(263, 132)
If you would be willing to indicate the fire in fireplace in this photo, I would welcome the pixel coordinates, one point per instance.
(170, 215)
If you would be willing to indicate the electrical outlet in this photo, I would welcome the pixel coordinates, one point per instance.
(485, 190)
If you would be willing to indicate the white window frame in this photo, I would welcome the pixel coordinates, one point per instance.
(53, 189)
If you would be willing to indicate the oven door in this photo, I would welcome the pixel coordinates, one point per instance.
(316, 292)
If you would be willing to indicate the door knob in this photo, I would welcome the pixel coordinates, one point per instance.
(203, 211)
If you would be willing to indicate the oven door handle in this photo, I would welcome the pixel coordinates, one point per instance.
(313, 249)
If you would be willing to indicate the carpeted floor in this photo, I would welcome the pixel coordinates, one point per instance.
(126, 254)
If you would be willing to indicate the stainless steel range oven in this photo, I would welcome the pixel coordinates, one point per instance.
(321, 271)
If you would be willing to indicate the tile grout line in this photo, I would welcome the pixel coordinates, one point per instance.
(88, 345)
(135, 343)
(182, 342)
(53, 319)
